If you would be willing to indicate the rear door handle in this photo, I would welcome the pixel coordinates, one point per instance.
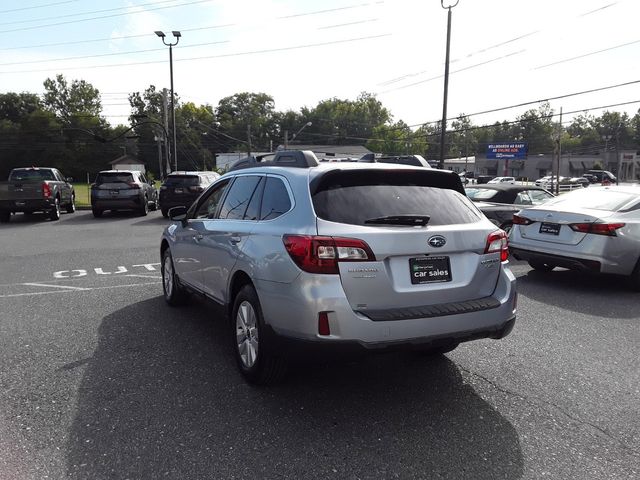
(235, 239)
(198, 237)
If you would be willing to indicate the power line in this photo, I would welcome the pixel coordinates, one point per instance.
(108, 39)
(236, 54)
(35, 27)
(112, 54)
(68, 15)
(586, 55)
(37, 6)
(330, 10)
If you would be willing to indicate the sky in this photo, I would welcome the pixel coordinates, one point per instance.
(503, 52)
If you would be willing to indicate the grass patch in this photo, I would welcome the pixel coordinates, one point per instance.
(83, 198)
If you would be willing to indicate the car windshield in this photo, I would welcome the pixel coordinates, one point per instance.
(477, 194)
(609, 200)
(182, 181)
(388, 194)
(31, 175)
(115, 177)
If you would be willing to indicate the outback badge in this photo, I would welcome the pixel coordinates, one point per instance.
(437, 241)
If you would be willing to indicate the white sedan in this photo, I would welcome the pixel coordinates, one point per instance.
(503, 180)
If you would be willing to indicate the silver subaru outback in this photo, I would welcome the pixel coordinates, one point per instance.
(365, 256)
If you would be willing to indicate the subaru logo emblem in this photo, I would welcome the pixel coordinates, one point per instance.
(437, 241)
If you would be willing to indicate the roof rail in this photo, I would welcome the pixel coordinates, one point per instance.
(286, 158)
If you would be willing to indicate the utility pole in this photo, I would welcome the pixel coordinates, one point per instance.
(249, 139)
(443, 131)
(159, 141)
(165, 117)
(559, 152)
(286, 139)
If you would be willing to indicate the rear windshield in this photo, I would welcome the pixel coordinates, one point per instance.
(609, 200)
(114, 177)
(31, 175)
(476, 194)
(353, 197)
(182, 181)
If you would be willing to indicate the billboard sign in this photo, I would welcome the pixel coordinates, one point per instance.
(507, 150)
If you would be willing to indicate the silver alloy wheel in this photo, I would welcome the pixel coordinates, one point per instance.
(247, 334)
(167, 276)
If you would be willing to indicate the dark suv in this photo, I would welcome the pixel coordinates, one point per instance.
(123, 190)
(181, 189)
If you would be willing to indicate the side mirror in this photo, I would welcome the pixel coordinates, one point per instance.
(69, 179)
(178, 214)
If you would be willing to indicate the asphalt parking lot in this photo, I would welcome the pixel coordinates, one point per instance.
(100, 379)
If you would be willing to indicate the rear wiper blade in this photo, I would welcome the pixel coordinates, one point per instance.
(410, 220)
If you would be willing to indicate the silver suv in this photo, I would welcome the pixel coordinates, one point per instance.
(372, 256)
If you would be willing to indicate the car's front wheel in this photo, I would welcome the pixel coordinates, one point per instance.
(71, 208)
(97, 213)
(254, 351)
(144, 208)
(174, 293)
(165, 212)
(541, 266)
(634, 279)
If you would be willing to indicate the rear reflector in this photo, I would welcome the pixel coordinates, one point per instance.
(497, 242)
(323, 324)
(608, 229)
(317, 254)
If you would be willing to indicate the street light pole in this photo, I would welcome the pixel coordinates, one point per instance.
(177, 36)
(443, 125)
(286, 134)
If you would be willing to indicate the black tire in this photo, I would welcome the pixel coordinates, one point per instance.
(253, 346)
(71, 208)
(54, 213)
(97, 213)
(541, 266)
(634, 278)
(154, 205)
(174, 293)
(507, 226)
(165, 212)
(144, 209)
(5, 216)
(439, 350)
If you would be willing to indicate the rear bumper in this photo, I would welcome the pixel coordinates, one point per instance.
(572, 263)
(29, 205)
(292, 312)
(128, 203)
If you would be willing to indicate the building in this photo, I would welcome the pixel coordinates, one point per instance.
(458, 165)
(127, 162)
(571, 165)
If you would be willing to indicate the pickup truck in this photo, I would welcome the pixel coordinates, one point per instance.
(36, 189)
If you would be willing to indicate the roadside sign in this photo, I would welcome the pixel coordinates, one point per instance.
(507, 150)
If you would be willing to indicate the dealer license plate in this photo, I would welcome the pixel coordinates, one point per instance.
(179, 190)
(550, 228)
(429, 270)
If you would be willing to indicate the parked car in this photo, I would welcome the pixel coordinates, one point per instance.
(183, 188)
(593, 230)
(591, 178)
(36, 189)
(582, 181)
(411, 263)
(603, 176)
(500, 201)
(510, 180)
(123, 190)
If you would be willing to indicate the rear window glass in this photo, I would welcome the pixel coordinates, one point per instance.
(610, 200)
(354, 197)
(480, 193)
(182, 181)
(114, 178)
(31, 175)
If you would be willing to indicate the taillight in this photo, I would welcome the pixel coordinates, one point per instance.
(46, 190)
(134, 185)
(497, 242)
(316, 254)
(608, 229)
(518, 220)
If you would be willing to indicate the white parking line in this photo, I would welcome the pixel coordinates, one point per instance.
(49, 292)
(64, 287)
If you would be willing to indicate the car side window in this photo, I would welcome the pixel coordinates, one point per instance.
(143, 178)
(208, 206)
(538, 196)
(523, 198)
(275, 200)
(237, 200)
(253, 210)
